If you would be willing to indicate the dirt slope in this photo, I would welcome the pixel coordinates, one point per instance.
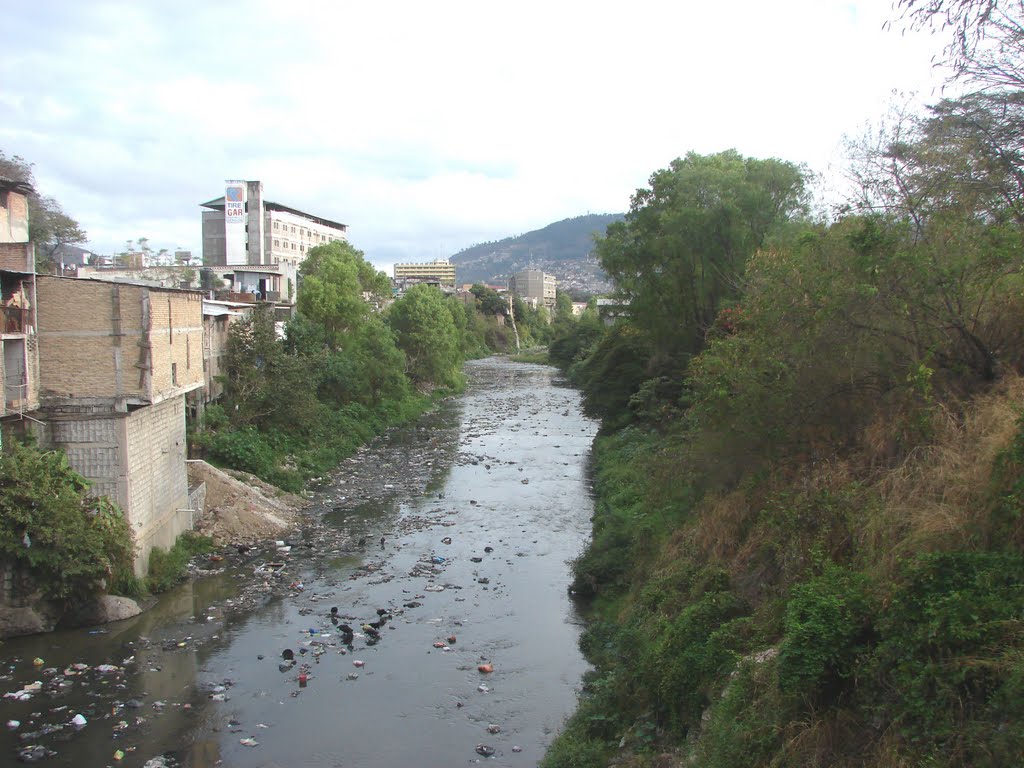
(241, 508)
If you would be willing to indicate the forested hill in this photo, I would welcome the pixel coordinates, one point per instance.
(563, 249)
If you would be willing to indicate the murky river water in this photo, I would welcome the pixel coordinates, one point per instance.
(492, 506)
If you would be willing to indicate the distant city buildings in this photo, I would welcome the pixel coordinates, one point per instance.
(535, 287)
(260, 244)
(440, 271)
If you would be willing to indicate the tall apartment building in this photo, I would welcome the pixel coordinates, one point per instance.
(535, 287)
(438, 271)
(261, 243)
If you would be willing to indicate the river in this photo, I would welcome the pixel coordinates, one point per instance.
(463, 539)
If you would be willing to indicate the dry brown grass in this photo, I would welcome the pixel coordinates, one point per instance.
(936, 497)
(720, 525)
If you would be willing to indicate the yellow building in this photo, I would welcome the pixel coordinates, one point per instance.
(441, 271)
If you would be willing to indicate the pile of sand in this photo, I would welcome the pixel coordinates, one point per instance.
(241, 508)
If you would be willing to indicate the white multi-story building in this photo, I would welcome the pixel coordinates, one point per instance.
(261, 243)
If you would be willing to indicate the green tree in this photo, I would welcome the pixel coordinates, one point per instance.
(425, 331)
(563, 307)
(488, 301)
(681, 252)
(333, 279)
(265, 386)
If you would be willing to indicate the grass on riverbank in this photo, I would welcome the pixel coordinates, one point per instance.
(289, 461)
(833, 613)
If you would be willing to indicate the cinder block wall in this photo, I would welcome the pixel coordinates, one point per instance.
(158, 479)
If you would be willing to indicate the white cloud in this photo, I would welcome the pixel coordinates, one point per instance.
(427, 127)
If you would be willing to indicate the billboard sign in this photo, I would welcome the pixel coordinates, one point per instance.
(234, 222)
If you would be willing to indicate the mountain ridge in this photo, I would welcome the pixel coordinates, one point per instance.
(563, 248)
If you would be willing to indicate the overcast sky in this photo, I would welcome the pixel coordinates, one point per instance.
(427, 126)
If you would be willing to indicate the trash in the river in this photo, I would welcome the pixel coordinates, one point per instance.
(516, 748)
(477, 559)
(485, 668)
(488, 549)
(13, 725)
(78, 721)
(451, 639)
(438, 644)
(446, 540)
(437, 559)
(412, 604)
(358, 663)
(433, 588)
(303, 678)
(288, 654)
(483, 749)
(482, 688)
(483, 580)
(353, 675)
(37, 662)
(493, 728)
(34, 753)
(119, 755)
(218, 697)
(249, 742)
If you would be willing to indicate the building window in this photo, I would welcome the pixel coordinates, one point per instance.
(174, 374)
(275, 225)
(188, 354)
(293, 246)
(277, 243)
(293, 230)
(302, 248)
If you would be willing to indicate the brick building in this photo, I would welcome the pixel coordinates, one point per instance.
(116, 361)
(19, 360)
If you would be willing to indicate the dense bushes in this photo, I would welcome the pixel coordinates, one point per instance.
(69, 542)
(167, 567)
(809, 529)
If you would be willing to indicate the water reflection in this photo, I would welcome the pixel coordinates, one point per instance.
(482, 505)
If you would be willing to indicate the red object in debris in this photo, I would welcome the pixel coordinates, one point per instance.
(302, 679)
(486, 668)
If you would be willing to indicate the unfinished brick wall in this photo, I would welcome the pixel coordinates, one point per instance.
(17, 257)
(91, 339)
(115, 340)
(176, 340)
